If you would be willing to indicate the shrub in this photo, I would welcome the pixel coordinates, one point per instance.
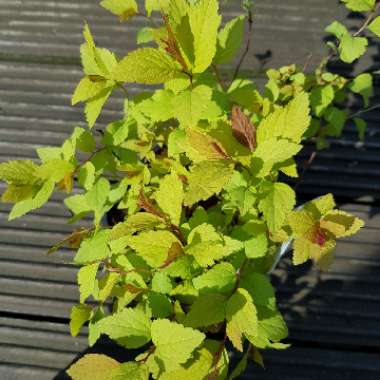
(190, 180)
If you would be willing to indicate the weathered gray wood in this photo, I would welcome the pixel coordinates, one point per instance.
(53, 28)
(46, 348)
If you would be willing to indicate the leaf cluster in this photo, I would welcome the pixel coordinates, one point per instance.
(195, 172)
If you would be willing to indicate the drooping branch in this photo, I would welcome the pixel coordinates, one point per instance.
(368, 20)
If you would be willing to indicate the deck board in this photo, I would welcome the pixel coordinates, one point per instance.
(45, 350)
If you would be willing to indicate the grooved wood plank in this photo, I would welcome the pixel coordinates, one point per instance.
(46, 349)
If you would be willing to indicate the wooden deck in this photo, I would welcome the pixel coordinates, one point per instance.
(334, 318)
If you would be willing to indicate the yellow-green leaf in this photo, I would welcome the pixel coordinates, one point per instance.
(241, 318)
(174, 342)
(125, 9)
(94, 106)
(374, 26)
(130, 328)
(206, 179)
(341, 224)
(289, 122)
(38, 200)
(195, 104)
(87, 89)
(169, 197)
(153, 246)
(204, 22)
(20, 172)
(351, 48)
(363, 85)
(86, 280)
(146, 65)
(80, 314)
(277, 202)
(360, 5)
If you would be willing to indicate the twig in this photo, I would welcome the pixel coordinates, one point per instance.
(89, 158)
(308, 59)
(177, 232)
(125, 91)
(308, 163)
(238, 275)
(369, 18)
(215, 371)
(150, 352)
(376, 106)
(247, 46)
(219, 76)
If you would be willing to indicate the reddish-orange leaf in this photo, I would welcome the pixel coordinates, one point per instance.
(320, 237)
(67, 183)
(72, 241)
(145, 204)
(96, 78)
(133, 289)
(76, 238)
(243, 129)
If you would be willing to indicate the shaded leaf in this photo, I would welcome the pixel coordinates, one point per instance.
(230, 40)
(207, 310)
(241, 318)
(130, 370)
(94, 366)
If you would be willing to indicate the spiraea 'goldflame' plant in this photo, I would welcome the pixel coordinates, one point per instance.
(193, 173)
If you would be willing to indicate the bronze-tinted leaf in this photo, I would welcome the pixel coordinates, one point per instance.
(220, 150)
(175, 251)
(67, 183)
(172, 47)
(133, 289)
(145, 204)
(243, 129)
(72, 241)
(96, 78)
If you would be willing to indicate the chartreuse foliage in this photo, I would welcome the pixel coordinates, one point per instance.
(193, 172)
